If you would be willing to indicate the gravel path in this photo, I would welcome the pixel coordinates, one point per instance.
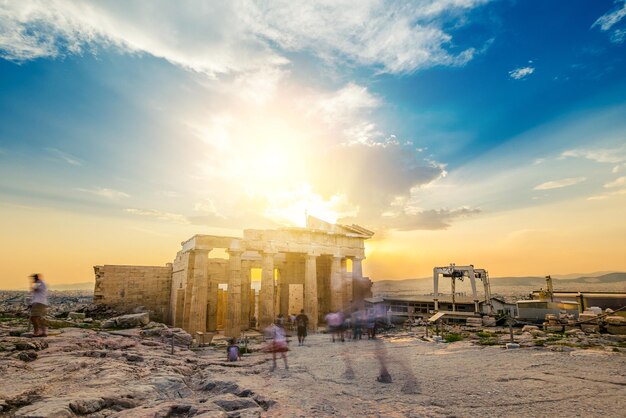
(459, 379)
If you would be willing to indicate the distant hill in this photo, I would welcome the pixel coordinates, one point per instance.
(73, 286)
(614, 281)
(605, 278)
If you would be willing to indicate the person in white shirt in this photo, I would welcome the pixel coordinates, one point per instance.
(39, 306)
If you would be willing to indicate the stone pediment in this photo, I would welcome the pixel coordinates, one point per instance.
(349, 230)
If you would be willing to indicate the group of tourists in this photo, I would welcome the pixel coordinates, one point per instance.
(342, 326)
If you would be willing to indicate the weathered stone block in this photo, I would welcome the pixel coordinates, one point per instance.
(76, 315)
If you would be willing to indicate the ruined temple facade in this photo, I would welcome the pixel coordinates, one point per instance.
(317, 268)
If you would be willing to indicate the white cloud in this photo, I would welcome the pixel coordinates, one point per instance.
(557, 184)
(199, 37)
(163, 216)
(397, 37)
(347, 109)
(618, 182)
(601, 155)
(520, 73)
(104, 192)
(241, 36)
(599, 197)
(608, 20)
(618, 36)
(616, 169)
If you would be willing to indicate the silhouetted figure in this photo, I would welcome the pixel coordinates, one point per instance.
(302, 322)
(39, 306)
(371, 326)
(357, 325)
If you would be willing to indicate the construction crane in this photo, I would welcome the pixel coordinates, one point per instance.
(459, 273)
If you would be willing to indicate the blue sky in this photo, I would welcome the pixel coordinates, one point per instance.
(400, 116)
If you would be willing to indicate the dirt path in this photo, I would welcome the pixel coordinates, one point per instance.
(339, 379)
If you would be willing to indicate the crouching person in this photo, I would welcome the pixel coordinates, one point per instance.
(232, 351)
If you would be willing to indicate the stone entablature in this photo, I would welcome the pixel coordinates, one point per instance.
(300, 268)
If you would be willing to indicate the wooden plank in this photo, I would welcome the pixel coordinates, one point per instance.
(436, 316)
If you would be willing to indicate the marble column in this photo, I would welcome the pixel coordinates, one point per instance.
(346, 283)
(336, 285)
(266, 295)
(188, 291)
(278, 285)
(310, 290)
(246, 280)
(357, 267)
(212, 309)
(357, 275)
(233, 316)
(200, 291)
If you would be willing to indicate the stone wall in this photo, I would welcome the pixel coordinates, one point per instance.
(128, 287)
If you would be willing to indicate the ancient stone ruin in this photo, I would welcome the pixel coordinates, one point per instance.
(317, 268)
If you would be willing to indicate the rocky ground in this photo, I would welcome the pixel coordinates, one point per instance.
(132, 373)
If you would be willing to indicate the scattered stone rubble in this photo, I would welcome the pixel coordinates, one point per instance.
(120, 372)
(558, 333)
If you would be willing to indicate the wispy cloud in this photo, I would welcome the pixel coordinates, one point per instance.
(149, 232)
(557, 184)
(104, 192)
(432, 219)
(397, 37)
(241, 36)
(607, 21)
(64, 156)
(347, 109)
(157, 214)
(208, 206)
(610, 19)
(520, 73)
(618, 182)
(601, 155)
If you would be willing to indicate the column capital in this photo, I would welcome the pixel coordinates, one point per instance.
(234, 251)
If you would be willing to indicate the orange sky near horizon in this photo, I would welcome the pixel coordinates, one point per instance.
(575, 236)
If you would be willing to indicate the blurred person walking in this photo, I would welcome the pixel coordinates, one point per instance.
(278, 344)
(39, 306)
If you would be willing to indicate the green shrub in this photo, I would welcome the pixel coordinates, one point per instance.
(484, 334)
(488, 341)
(450, 338)
(555, 337)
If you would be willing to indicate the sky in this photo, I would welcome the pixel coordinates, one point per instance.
(476, 132)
